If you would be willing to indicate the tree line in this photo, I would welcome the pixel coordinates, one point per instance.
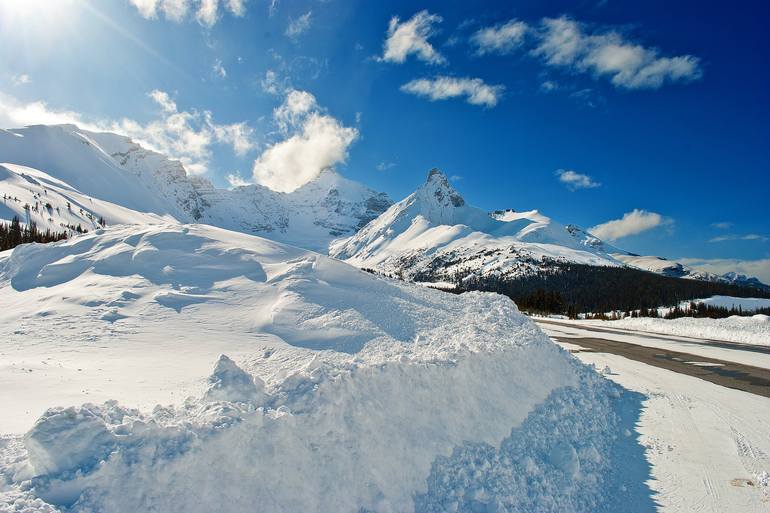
(14, 233)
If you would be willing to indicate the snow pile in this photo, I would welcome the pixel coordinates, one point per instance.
(747, 330)
(350, 393)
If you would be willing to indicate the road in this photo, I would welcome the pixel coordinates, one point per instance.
(749, 378)
(706, 419)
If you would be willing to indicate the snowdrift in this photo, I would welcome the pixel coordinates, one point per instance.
(754, 329)
(355, 394)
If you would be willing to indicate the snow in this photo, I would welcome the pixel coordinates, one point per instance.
(707, 445)
(434, 232)
(340, 391)
(747, 304)
(753, 329)
(118, 171)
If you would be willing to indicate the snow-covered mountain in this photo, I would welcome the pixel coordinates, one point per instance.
(435, 235)
(115, 169)
(342, 391)
(665, 267)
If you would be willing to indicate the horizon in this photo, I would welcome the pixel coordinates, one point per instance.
(597, 109)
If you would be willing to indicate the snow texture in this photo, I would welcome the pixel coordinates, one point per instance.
(753, 329)
(355, 394)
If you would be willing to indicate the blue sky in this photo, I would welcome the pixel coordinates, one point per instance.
(646, 113)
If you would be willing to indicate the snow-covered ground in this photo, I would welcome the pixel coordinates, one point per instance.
(342, 391)
(753, 329)
(707, 445)
(747, 304)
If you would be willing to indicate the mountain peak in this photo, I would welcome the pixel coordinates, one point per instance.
(438, 186)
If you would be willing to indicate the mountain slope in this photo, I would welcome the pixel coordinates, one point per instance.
(113, 168)
(434, 235)
(345, 392)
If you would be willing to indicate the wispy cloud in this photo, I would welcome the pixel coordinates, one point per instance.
(501, 38)
(734, 237)
(219, 69)
(574, 180)
(185, 135)
(20, 79)
(300, 25)
(632, 223)
(411, 38)
(475, 90)
(313, 141)
(206, 12)
(568, 43)
(384, 166)
(722, 225)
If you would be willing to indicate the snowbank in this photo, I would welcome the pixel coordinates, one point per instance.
(357, 393)
(747, 330)
(747, 304)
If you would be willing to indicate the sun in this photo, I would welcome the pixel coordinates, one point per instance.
(32, 15)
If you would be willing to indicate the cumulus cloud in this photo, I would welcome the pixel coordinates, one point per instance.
(298, 26)
(759, 268)
(632, 223)
(184, 135)
(501, 38)
(206, 12)
(475, 90)
(567, 43)
(574, 180)
(411, 38)
(313, 141)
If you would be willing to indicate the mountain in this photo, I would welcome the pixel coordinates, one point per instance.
(434, 235)
(115, 169)
(666, 267)
(341, 391)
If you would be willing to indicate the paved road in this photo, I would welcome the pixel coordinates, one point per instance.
(755, 380)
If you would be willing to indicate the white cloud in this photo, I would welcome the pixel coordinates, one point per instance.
(272, 8)
(314, 141)
(236, 180)
(21, 79)
(722, 225)
(500, 38)
(632, 223)
(574, 180)
(184, 135)
(733, 237)
(411, 38)
(476, 91)
(759, 268)
(299, 25)
(384, 166)
(219, 69)
(548, 86)
(566, 42)
(206, 11)
(271, 83)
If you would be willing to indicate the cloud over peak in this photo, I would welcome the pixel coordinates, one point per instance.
(475, 90)
(313, 141)
(632, 223)
(411, 38)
